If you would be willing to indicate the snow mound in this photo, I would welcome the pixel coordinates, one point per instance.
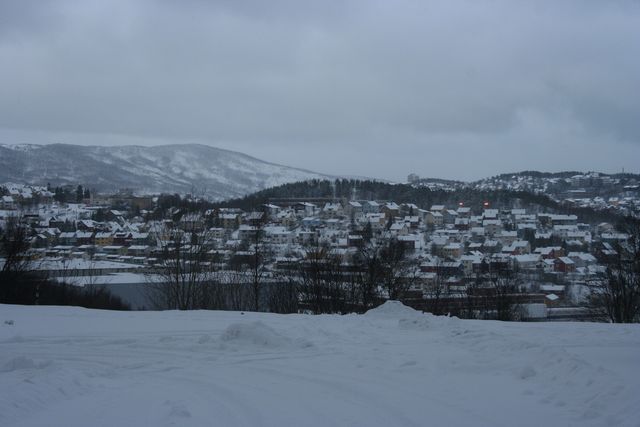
(392, 310)
(258, 334)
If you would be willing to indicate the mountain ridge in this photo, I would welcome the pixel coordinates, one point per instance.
(197, 168)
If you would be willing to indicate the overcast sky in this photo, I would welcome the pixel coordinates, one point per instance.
(453, 89)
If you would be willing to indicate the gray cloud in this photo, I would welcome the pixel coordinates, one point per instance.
(443, 88)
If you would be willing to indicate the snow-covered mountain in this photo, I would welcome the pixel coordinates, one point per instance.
(200, 169)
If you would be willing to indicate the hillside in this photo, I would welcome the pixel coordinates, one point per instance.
(421, 196)
(188, 168)
(565, 174)
(391, 366)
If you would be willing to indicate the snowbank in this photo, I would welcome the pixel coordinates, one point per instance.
(409, 318)
(392, 366)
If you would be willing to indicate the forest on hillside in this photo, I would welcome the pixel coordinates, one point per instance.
(422, 197)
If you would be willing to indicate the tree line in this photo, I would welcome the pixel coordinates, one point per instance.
(187, 277)
(21, 283)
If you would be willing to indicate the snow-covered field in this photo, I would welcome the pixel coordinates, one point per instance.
(390, 367)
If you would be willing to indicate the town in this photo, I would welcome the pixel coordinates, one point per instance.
(462, 260)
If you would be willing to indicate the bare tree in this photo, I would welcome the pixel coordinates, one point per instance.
(504, 293)
(236, 289)
(18, 285)
(617, 296)
(493, 294)
(21, 283)
(14, 245)
(397, 270)
(283, 295)
(321, 282)
(435, 292)
(183, 279)
(259, 252)
(368, 272)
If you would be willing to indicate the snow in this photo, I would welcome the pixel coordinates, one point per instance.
(392, 366)
(181, 168)
(392, 310)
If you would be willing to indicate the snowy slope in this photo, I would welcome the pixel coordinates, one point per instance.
(390, 367)
(169, 168)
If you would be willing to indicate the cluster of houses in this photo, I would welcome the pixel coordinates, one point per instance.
(593, 190)
(13, 196)
(554, 254)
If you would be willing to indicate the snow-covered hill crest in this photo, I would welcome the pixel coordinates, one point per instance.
(193, 168)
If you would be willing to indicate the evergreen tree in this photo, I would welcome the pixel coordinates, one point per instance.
(58, 195)
(79, 194)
